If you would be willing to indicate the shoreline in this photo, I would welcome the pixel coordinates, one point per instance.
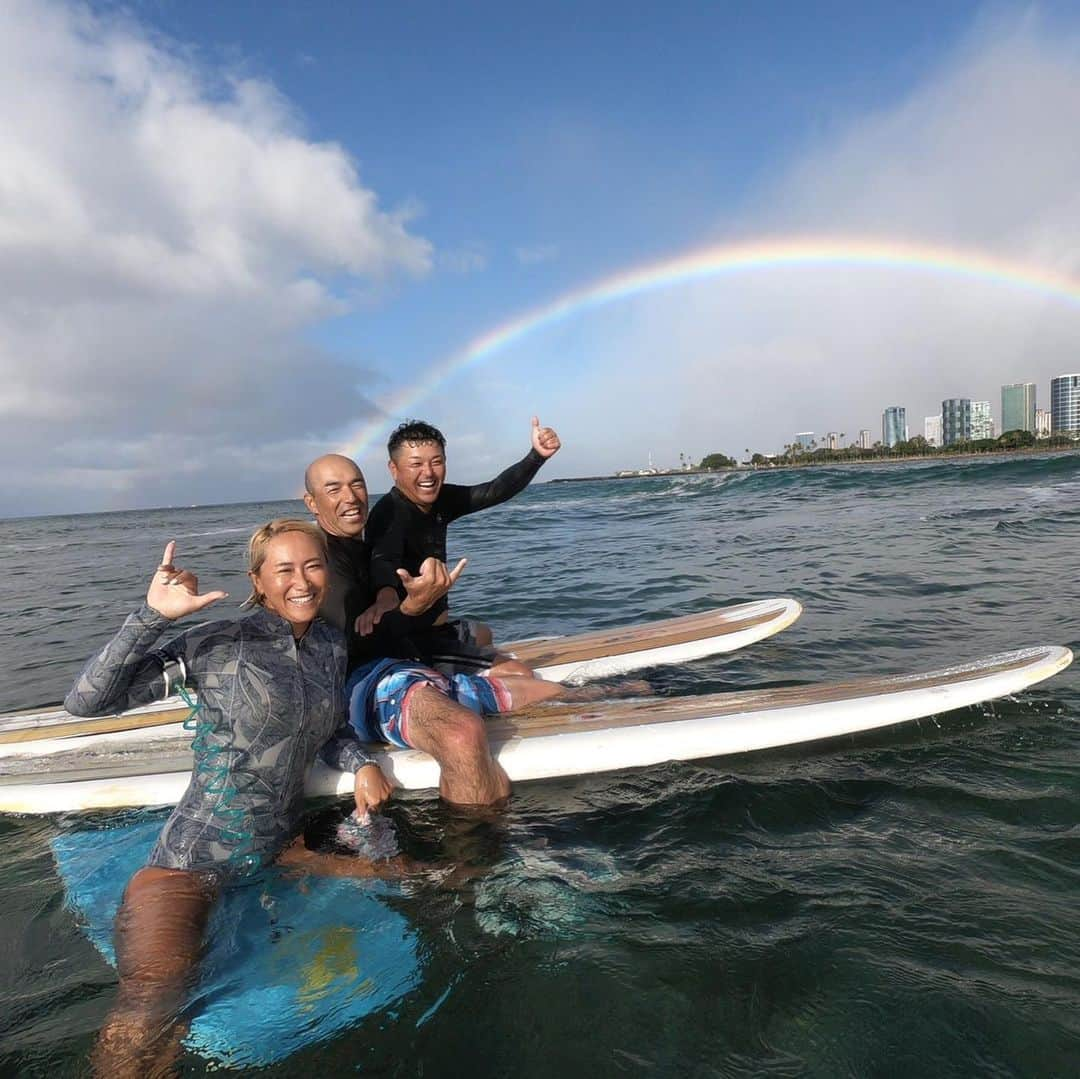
(942, 458)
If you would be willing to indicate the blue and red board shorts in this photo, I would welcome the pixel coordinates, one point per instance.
(384, 714)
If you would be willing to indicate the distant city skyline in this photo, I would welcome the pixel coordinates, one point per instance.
(968, 418)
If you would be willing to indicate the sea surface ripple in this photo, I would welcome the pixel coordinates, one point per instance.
(889, 904)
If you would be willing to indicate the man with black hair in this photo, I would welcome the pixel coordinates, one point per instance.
(408, 525)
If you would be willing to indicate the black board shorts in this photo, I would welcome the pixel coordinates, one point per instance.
(452, 649)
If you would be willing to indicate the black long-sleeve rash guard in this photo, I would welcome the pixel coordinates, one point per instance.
(351, 594)
(401, 535)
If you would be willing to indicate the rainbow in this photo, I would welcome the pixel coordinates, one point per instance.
(883, 253)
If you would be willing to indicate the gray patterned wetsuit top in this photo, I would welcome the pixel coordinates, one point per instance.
(268, 704)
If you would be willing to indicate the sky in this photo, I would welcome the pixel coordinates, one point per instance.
(236, 236)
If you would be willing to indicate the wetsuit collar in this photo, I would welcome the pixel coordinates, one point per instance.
(358, 542)
(273, 624)
(426, 510)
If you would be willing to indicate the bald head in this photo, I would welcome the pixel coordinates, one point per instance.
(336, 495)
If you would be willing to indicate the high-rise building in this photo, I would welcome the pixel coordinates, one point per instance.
(932, 430)
(1042, 423)
(893, 425)
(832, 440)
(864, 440)
(803, 439)
(955, 420)
(982, 423)
(1065, 405)
(1018, 407)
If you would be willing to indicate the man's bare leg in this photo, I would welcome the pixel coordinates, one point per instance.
(159, 936)
(504, 665)
(528, 691)
(298, 861)
(298, 857)
(456, 738)
(508, 667)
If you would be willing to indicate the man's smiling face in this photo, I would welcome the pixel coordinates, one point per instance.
(337, 495)
(419, 470)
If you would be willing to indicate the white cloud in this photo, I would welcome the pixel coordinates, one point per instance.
(166, 236)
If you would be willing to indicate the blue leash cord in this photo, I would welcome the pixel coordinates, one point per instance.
(213, 764)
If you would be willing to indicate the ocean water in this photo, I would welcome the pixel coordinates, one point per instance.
(897, 903)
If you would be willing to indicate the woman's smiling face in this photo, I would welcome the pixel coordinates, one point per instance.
(292, 579)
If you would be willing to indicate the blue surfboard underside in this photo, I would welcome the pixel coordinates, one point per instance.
(288, 963)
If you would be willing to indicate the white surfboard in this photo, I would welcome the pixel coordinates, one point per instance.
(561, 740)
(575, 659)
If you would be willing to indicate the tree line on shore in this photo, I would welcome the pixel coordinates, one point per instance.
(797, 454)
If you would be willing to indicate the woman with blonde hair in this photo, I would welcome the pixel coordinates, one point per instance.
(270, 698)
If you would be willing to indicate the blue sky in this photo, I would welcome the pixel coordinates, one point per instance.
(285, 213)
(609, 133)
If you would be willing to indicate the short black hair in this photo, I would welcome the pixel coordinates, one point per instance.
(414, 431)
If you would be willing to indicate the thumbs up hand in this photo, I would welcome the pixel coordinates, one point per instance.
(544, 439)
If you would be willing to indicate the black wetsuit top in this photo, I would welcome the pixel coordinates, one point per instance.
(351, 593)
(401, 534)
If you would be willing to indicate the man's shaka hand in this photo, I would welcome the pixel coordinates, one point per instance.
(429, 586)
